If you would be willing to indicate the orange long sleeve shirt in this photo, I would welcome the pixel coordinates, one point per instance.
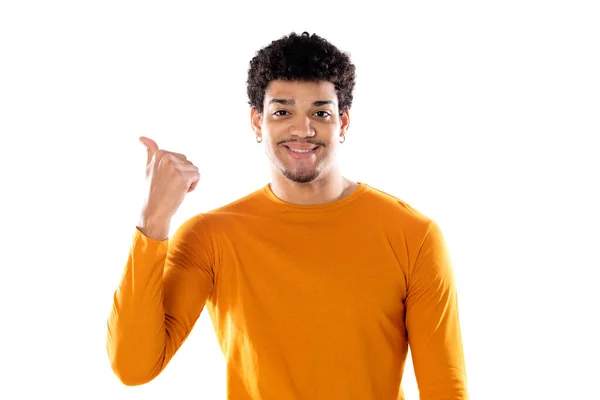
(307, 302)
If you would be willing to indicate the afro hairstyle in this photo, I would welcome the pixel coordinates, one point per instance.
(305, 58)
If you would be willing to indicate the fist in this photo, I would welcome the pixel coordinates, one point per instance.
(170, 176)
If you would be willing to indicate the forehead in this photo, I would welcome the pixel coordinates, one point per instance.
(300, 91)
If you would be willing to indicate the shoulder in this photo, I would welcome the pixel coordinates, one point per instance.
(217, 218)
(395, 210)
(407, 227)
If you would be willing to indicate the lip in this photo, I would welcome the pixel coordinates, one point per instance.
(300, 156)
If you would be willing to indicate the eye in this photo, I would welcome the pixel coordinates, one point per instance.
(280, 111)
(323, 114)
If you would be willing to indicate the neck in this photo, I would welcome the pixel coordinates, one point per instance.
(325, 189)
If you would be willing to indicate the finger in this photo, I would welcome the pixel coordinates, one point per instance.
(193, 177)
(179, 156)
(186, 166)
(151, 147)
(193, 186)
(168, 158)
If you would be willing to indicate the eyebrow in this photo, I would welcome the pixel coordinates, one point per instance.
(290, 102)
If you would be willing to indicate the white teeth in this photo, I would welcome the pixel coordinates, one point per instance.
(300, 151)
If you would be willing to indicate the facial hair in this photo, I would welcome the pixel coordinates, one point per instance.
(301, 177)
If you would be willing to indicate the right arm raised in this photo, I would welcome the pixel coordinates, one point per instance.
(166, 282)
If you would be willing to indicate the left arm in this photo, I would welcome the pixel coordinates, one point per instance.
(432, 322)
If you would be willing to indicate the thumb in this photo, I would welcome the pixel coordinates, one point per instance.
(151, 146)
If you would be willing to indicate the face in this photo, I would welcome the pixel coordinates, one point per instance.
(301, 127)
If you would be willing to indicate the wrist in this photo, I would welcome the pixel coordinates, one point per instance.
(154, 227)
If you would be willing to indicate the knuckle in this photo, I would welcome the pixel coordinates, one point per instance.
(169, 159)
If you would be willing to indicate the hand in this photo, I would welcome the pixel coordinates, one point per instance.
(170, 176)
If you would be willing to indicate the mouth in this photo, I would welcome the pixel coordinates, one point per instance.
(301, 153)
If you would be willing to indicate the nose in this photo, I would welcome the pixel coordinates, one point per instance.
(302, 127)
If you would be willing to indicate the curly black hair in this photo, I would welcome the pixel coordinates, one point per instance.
(308, 58)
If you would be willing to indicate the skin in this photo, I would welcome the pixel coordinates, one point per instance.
(303, 115)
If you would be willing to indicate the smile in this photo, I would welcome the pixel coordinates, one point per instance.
(301, 153)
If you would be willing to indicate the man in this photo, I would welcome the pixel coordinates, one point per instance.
(316, 285)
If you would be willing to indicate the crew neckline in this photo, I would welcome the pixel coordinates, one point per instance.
(359, 191)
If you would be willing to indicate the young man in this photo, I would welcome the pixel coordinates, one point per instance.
(316, 285)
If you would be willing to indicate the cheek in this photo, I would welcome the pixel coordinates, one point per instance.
(277, 150)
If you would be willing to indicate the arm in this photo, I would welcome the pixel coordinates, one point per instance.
(432, 322)
(162, 291)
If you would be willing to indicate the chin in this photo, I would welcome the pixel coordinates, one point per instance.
(301, 177)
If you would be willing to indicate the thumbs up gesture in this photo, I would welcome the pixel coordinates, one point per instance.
(170, 176)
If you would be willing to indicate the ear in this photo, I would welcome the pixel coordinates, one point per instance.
(344, 121)
(255, 120)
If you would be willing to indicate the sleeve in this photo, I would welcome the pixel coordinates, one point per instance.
(432, 322)
(162, 292)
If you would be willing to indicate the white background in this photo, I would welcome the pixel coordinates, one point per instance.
(483, 115)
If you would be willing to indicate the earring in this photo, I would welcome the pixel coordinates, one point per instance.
(258, 139)
(343, 139)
